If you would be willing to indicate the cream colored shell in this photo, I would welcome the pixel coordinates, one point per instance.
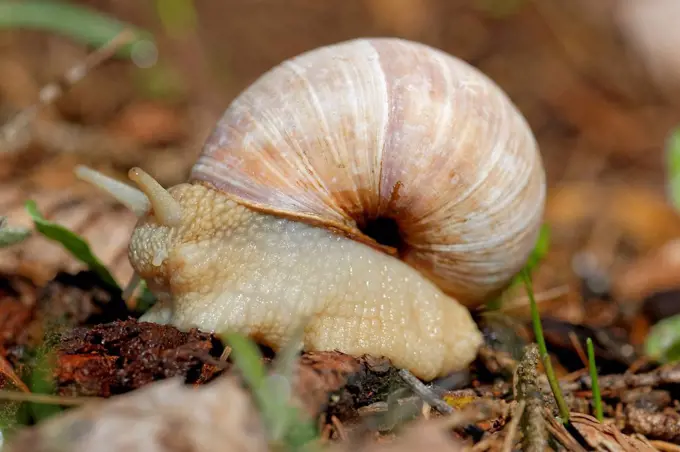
(389, 128)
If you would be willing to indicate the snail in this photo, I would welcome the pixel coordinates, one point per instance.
(373, 189)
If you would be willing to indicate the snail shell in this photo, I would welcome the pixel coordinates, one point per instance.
(383, 128)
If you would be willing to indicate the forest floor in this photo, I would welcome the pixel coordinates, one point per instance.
(71, 347)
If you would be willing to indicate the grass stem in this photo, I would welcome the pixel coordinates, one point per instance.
(595, 385)
(543, 350)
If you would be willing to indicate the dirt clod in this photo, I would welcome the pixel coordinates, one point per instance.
(118, 357)
(81, 299)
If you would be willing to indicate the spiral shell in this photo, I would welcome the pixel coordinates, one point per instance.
(386, 128)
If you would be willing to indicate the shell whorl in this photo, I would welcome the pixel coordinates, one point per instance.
(389, 128)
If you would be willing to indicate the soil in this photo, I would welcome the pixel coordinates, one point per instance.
(602, 120)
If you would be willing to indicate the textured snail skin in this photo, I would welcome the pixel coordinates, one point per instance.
(229, 267)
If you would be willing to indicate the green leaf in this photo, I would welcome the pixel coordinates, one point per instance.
(499, 8)
(74, 244)
(663, 341)
(146, 298)
(248, 359)
(673, 167)
(178, 16)
(540, 249)
(287, 422)
(284, 421)
(42, 382)
(537, 255)
(10, 236)
(162, 82)
(81, 24)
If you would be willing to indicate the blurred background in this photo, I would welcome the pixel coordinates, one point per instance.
(599, 83)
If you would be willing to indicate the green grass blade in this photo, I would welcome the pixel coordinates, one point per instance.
(76, 22)
(247, 358)
(283, 420)
(42, 382)
(595, 385)
(543, 349)
(673, 167)
(74, 244)
(539, 251)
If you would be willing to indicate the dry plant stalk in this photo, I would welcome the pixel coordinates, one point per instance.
(16, 133)
(509, 441)
(526, 389)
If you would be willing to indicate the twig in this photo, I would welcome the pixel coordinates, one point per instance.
(130, 289)
(665, 446)
(638, 364)
(478, 411)
(427, 408)
(11, 139)
(325, 433)
(497, 361)
(339, 428)
(45, 398)
(575, 375)
(424, 392)
(512, 427)
(666, 375)
(7, 369)
(561, 434)
(484, 445)
(547, 295)
(577, 346)
(225, 354)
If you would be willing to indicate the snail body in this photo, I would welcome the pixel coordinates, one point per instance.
(274, 226)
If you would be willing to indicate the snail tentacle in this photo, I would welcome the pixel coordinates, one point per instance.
(129, 196)
(166, 209)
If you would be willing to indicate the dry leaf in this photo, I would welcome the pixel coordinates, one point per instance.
(161, 417)
(7, 372)
(419, 436)
(654, 272)
(606, 437)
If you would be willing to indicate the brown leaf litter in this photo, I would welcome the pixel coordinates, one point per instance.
(165, 416)
(352, 398)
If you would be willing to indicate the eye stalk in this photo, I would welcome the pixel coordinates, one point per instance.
(150, 194)
(166, 209)
(130, 197)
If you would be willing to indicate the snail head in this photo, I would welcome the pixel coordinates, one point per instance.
(173, 223)
(160, 218)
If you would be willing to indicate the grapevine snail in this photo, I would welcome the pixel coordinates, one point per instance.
(277, 222)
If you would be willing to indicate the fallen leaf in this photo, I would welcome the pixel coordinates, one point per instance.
(605, 436)
(7, 371)
(161, 417)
